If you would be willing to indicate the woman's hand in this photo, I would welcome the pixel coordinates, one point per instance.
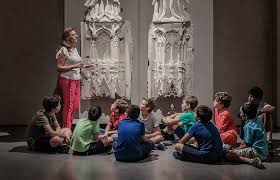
(87, 65)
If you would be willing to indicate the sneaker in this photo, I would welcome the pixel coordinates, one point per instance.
(159, 146)
(257, 163)
(167, 143)
(176, 155)
(226, 147)
(167, 136)
(63, 149)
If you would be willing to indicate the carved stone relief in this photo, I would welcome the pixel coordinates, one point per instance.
(171, 59)
(106, 43)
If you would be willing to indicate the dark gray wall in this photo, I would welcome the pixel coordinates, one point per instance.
(30, 30)
(278, 62)
(244, 48)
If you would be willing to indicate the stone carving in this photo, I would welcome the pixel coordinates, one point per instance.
(102, 11)
(170, 10)
(171, 59)
(106, 43)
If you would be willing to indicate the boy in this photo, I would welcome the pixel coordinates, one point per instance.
(85, 139)
(131, 144)
(207, 137)
(151, 122)
(118, 109)
(264, 112)
(223, 119)
(44, 132)
(253, 149)
(181, 122)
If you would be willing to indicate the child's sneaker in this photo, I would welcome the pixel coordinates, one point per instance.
(257, 163)
(176, 155)
(167, 136)
(226, 147)
(159, 146)
(63, 149)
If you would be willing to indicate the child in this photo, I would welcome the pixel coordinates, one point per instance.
(253, 149)
(223, 119)
(207, 136)
(131, 144)
(44, 132)
(181, 122)
(151, 122)
(85, 140)
(264, 111)
(118, 109)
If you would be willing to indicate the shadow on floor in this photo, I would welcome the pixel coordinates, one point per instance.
(151, 157)
(23, 149)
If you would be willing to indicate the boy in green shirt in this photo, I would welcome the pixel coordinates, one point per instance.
(85, 139)
(180, 123)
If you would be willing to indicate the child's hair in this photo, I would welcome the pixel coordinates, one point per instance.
(50, 102)
(256, 92)
(250, 110)
(121, 105)
(150, 103)
(224, 98)
(204, 113)
(133, 112)
(192, 101)
(94, 113)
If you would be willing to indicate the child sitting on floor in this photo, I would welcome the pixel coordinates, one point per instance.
(223, 119)
(44, 132)
(85, 139)
(264, 112)
(131, 144)
(254, 148)
(151, 122)
(181, 122)
(210, 146)
(118, 109)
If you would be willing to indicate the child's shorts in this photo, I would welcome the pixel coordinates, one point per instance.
(179, 131)
(41, 144)
(249, 152)
(190, 153)
(94, 148)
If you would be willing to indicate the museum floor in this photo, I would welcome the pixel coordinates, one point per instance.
(16, 163)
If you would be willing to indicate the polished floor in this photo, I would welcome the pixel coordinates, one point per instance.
(16, 163)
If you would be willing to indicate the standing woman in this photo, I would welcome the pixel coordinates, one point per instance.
(69, 63)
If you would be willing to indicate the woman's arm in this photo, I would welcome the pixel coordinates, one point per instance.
(61, 67)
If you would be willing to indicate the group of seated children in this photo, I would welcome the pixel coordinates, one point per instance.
(138, 131)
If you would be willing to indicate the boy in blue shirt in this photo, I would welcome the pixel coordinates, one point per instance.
(254, 147)
(210, 146)
(131, 144)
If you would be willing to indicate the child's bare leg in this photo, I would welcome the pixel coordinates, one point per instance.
(157, 139)
(179, 147)
(56, 141)
(233, 157)
(67, 132)
(107, 140)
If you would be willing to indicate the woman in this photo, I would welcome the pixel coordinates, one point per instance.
(69, 63)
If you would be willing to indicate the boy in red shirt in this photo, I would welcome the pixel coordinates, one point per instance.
(223, 119)
(118, 109)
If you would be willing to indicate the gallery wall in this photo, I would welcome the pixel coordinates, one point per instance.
(245, 49)
(243, 36)
(30, 32)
